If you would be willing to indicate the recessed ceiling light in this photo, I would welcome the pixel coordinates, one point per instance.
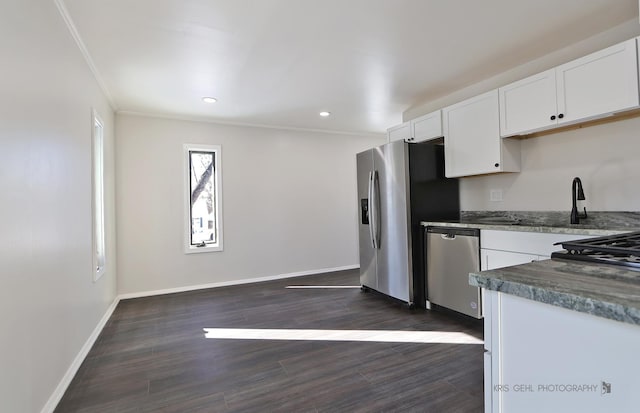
(207, 99)
(325, 114)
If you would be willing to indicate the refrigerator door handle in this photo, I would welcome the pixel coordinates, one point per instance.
(376, 205)
(370, 209)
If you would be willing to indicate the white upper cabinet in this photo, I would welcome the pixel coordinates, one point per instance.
(528, 104)
(421, 129)
(591, 87)
(472, 138)
(399, 132)
(598, 84)
(427, 127)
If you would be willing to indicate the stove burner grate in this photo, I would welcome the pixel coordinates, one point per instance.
(620, 249)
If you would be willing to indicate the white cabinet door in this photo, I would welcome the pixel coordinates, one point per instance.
(534, 243)
(492, 259)
(545, 349)
(599, 84)
(472, 138)
(490, 311)
(591, 87)
(421, 129)
(426, 127)
(528, 105)
(506, 248)
(399, 132)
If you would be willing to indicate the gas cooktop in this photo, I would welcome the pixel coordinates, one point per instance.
(620, 249)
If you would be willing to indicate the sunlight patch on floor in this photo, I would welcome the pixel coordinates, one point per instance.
(384, 336)
(321, 286)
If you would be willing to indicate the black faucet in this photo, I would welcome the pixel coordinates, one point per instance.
(575, 216)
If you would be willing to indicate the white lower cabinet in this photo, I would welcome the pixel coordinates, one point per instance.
(492, 259)
(506, 248)
(543, 358)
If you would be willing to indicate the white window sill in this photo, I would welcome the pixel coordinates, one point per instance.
(208, 248)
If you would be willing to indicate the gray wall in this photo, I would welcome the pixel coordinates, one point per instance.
(289, 202)
(49, 304)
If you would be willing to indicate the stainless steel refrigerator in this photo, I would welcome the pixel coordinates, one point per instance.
(401, 184)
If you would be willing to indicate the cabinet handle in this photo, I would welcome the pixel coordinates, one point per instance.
(561, 115)
(496, 164)
(553, 117)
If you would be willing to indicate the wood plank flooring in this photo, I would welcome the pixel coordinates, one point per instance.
(152, 355)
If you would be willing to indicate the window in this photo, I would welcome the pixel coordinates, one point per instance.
(203, 198)
(99, 255)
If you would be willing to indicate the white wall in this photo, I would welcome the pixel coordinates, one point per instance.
(605, 156)
(49, 304)
(289, 202)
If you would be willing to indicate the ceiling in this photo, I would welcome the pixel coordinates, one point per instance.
(280, 62)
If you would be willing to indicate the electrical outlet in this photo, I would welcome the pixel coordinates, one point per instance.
(495, 195)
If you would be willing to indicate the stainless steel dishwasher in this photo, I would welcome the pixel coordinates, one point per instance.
(452, 253)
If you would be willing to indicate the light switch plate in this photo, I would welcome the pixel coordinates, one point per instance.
(495, 195)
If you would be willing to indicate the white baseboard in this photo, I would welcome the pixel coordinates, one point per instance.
(55, 398)
(234, 282)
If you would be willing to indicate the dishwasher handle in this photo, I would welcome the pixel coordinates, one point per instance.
(450, 233)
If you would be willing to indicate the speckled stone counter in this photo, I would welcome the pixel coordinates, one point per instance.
(607, 291)
(597, 223)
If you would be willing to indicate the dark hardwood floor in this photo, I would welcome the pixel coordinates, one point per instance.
(153, 356)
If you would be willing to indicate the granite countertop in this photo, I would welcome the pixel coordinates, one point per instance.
(597, 223)
(607, 291)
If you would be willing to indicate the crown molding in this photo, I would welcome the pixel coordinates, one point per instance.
(62, 8)
(249, 125)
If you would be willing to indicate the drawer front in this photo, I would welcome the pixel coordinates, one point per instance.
(525, 242)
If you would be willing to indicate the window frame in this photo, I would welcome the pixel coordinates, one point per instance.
(217, 177)
(98, 202)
